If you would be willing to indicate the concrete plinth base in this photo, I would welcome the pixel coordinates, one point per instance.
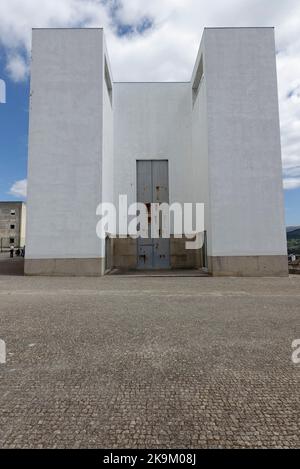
(71, 267)
(249, 266)
(125, 254)
(182, 258)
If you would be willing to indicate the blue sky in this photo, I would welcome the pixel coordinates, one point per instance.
(155, 40)
(13, 134)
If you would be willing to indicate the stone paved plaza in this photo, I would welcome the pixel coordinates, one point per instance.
(149, 362)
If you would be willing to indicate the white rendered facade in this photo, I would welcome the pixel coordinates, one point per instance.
(219, 134)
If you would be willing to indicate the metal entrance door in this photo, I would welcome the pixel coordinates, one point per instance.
(152, 186)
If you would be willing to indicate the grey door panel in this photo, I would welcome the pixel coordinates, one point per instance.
(152, 186)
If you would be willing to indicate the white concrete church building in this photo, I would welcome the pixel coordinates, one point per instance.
(213, 140)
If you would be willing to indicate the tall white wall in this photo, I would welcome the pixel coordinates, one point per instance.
(65, 144)
(108, 137)
(199, 138)
(223, 147)
(153, 121)
(245, 176)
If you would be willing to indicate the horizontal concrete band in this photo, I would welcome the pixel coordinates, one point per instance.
(249, 266)
(236, 266)
(72, 267)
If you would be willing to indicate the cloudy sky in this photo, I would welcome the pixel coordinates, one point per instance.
(147, 40)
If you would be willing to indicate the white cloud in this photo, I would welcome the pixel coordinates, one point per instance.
(167, 51)
(291, 183)
(17, 68)
(19, 188)
(18, 17)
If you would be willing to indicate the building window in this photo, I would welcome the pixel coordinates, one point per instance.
(108, 80)
(198, 79)
(11, 240)
(12, 227)
(12, 212)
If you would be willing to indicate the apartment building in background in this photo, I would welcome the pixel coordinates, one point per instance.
(12, 225)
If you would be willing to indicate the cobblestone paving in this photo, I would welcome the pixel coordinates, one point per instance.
(149, 362)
